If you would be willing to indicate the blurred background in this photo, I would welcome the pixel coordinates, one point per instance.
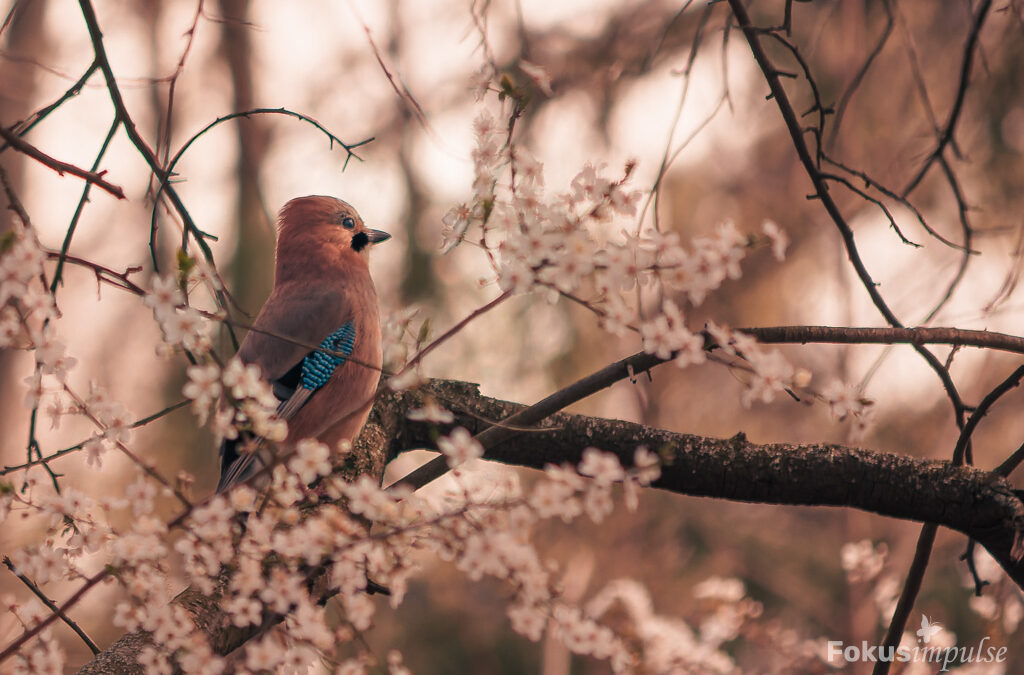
(637, 79)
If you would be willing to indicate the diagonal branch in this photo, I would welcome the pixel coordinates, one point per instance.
(946, 135)
(61, 167)
(45, 599)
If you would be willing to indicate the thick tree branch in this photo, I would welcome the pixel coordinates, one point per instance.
(965, 499)
(978, 503)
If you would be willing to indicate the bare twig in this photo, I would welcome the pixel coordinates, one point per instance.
(35, 118)
(892, 335)
(855, 82)
(30, 633)
(453, 330)
(73, 225)
(78, 446)
(946, 133)
(57, 165)
(124, 117)
(911, 587)
(71, 623)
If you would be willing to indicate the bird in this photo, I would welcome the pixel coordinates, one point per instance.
(322, 296)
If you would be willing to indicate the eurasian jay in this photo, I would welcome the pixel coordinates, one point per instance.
(322, 295)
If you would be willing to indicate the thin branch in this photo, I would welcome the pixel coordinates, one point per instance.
(124, 117)
(167, 173)
(348, 147)
(146, 468)
(668, 156)
(946, 135)
(453, 330)
(819, 105)
(855, 82)
(57, 165)
(103, 274)
(493, 435)
(778, 92)
(845, 182)
(78, 446)
(53, 607)
(911, 587)
(35, 118)
(968, 233)
(164, 133)
(963, 442)
(903, 201)
(402, 91)
(73, 225)
(789, 116)
(1010, 463)
(43, 624)
(887, 336)
(915, 71)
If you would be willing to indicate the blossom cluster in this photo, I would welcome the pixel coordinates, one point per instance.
(182, 325)
(846, 402)
(43, 655)
(266, 566)
(1000, 608)
(27, 311)
(672, 645)
(113, 419)
(568, 245)
(247, 402)
(865, 563)
(862, 560)
(261, 555)
(23, 292)
(270, 553)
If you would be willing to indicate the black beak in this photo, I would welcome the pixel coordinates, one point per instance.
(377, 236)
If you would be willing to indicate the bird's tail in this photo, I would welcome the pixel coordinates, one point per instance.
(236, 466)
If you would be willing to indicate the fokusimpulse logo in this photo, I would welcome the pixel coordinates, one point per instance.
(922, 652)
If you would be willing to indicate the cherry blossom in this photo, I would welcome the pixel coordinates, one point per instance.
(777, 237)
(459, 447)
(203, 387)
(862, 560)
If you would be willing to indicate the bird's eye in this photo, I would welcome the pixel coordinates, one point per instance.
(348, 223)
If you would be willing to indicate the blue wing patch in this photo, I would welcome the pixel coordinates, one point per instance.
(318, 366)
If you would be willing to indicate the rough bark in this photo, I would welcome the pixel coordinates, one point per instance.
(977, 503)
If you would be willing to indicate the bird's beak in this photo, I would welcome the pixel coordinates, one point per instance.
(377, 236)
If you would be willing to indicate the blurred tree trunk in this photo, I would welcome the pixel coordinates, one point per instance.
(419, 282)
(250, 267)
(24, 42)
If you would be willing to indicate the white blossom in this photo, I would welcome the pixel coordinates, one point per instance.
(459, 447)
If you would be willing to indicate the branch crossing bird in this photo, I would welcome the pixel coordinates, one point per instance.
(323, 295)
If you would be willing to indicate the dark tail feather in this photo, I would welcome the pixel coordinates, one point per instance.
(236, 466)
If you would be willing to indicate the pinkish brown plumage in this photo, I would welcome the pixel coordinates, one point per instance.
(321, 282)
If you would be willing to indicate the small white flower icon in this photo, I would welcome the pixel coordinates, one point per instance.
(928, 629)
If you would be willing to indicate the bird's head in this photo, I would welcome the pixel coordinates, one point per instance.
(317, 225)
